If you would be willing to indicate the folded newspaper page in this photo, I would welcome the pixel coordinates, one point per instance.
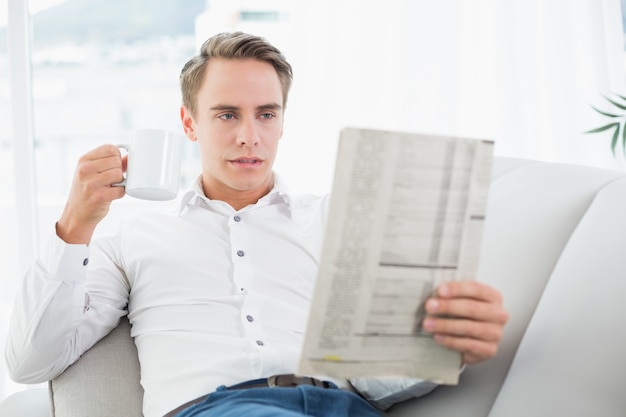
(406, 214)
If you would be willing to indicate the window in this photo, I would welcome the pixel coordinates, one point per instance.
(623, 4)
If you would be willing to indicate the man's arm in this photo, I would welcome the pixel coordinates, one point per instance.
(55, 318)
(61, 311)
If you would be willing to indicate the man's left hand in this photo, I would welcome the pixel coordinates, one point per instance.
(467, 316)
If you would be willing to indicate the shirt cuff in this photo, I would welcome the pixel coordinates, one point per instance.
(63, 261)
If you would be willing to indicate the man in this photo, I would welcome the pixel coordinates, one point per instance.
(218, 291)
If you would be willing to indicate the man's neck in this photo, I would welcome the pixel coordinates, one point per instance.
(237, 199)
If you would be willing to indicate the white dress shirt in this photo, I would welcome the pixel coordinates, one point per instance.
(215, 296)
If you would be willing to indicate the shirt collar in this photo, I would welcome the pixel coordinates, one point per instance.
(194, 196)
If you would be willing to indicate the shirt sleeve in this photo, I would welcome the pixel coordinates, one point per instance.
(384, 392)
(55, 317)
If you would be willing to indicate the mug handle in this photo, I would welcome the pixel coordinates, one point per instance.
(123, 182)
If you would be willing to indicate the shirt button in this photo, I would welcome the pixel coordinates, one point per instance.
(260, 342)
(237, 218)
(85, 261)
(240, 253)
(250, 318)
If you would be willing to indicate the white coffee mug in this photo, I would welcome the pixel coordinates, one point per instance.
(153, 169)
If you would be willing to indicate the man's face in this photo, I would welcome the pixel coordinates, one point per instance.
(238, 122)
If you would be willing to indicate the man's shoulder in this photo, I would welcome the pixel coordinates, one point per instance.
(124, 217)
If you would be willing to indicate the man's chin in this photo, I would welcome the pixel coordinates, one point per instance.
(253, 186)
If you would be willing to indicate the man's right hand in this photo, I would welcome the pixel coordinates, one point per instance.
(91, 193)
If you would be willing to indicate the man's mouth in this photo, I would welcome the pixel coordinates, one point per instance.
(247, 161)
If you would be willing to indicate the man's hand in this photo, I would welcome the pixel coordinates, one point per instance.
(91, 193)
(467, 316)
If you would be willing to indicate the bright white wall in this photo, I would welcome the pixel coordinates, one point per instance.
(522, 72)
(556, 58)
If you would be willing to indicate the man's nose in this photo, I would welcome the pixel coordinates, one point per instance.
(247, 133)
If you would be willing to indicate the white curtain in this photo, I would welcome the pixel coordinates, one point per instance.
(522, 72)
(557, 58)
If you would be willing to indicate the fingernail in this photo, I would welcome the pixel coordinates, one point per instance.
(429, 324)
(432, 305)
(443, 291)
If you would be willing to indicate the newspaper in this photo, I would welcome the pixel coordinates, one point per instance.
(406, 214)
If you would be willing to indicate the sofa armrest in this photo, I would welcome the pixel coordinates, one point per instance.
(33, 402)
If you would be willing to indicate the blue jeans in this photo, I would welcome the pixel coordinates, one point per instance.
(303, 400)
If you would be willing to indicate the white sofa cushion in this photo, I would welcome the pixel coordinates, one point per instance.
(572, 358)
(32, 402)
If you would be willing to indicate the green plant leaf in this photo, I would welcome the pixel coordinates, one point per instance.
(624, 138)
(617, 114)
(603, 128)
(614, 140)
(616, 104)
(605, 113)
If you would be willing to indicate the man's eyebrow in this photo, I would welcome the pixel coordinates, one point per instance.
(271, 106)
(222, 107)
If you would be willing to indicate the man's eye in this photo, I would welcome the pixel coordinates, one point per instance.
(227, 116)
(267, 116)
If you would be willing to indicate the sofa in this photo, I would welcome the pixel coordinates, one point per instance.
(554, 244)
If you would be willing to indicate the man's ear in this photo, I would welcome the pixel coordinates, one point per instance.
(188, 123)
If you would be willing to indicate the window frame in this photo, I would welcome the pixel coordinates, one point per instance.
(19, 48)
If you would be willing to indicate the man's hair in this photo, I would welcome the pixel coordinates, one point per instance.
(236, 45)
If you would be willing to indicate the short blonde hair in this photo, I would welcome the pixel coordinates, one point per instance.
(235, 45)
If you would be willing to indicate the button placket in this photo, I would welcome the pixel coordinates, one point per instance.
(251, 305)
(240, 253)
(238, 232)
(250, 317)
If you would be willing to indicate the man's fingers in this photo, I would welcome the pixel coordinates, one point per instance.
(467, 308)
(102, 151)
(468, 299)
(491, 332)
(100, 161)
(469, 289)
(472, 350)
